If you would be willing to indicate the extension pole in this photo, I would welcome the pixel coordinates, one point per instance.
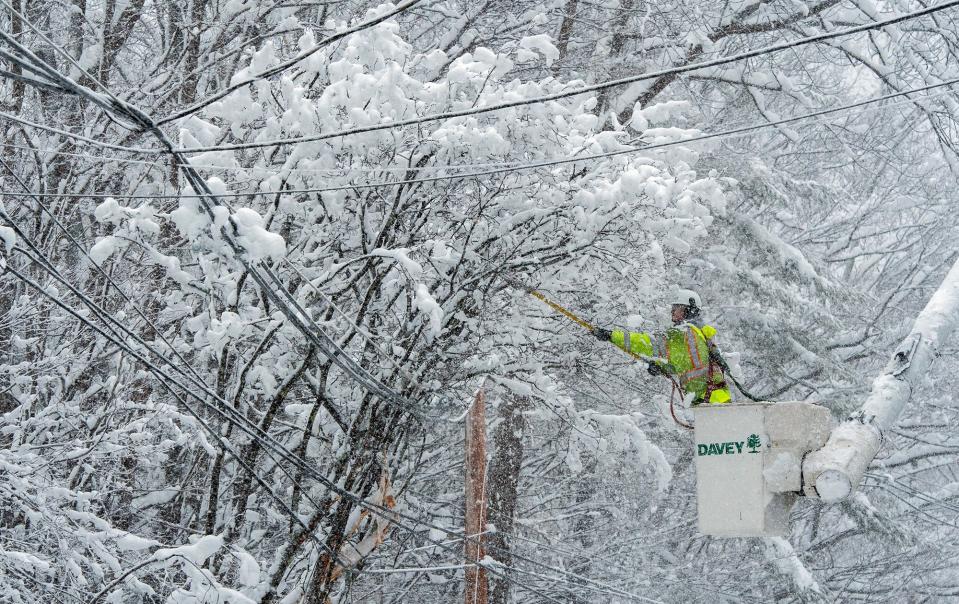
(563, 311)
(476, 584)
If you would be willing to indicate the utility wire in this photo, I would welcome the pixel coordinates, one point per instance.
(264, 438)
(885, 23)
(296, 314)
(30, 81)
(431, 167)
(267, 73)
(322, 341)
(66, 85)
(733, 132)
(723, 134)
(77, 137)
(579, 584)
(897, 483)
(382, 511)
(113, 102)
(82, 250)
(301, 464)
(100, 158)
(225, 408)
(166, 381)
(585, 89)
(366, 379)
(256, 168)
(195, 377)
(72, 87)
(452, 114)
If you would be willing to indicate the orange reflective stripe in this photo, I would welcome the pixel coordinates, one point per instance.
(694, 373)
(699, 356)
(657, 346)
(692, 359)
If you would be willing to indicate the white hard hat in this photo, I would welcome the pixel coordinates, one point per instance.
(687, 297)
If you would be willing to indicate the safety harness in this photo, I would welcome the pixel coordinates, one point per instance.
(712, 386)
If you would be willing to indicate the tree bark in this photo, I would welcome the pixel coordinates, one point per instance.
(565, 31)
(503, 487)
(476, 583)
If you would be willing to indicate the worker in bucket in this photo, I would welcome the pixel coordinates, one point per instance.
(686, 352)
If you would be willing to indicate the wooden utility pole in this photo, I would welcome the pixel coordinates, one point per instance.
(477, 586)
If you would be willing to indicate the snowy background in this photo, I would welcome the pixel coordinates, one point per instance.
(260, 395)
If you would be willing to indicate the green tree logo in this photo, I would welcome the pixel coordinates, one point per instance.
(752, 442)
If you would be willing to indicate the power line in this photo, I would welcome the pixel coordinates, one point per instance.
(224, 410)
(63, 52)
(677, 142)
(291, 62)
(285, 301)
(101, 158)
(108, 318)
(101, 312)
(267, 441)
(266, 269)
(121, 104)
(77, 137)
(31, 81)
(507, 165)
(897, 483)
(76, 244)
(386, 513)
(608, 591)
(155, 329)
(65, 84)
(238, 420)
(733, 132)
(326, 171)
(165, 380)
(584, 89)
(730, 133)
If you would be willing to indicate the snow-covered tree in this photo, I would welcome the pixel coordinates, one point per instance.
(154, 374)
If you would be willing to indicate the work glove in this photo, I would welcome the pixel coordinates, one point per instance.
(602, 334)
(654, 369)
(715, 357)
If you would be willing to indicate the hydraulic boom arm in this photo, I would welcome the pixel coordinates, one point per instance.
(833, 472)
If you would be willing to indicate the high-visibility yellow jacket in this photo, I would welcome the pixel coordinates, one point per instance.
(683, 351)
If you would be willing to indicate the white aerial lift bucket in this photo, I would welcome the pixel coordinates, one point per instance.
(749, 464)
